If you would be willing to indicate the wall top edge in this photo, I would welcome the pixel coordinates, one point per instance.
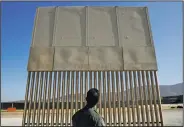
(92, 7)
(151, 70)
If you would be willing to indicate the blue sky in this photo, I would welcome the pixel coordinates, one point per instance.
(17, 26)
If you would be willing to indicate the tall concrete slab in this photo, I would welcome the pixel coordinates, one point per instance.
(102, 26)
(44, 26)
(133, 26)
(95, 29)
(78, 48)
(135, 38)
(70, 26)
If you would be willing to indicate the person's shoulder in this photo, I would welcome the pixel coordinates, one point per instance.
(76, 115)
(97, 118)
(95, 114)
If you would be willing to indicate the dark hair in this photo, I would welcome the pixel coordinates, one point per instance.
(92, 97)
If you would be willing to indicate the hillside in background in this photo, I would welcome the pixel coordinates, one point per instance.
(171, 90)
(165, 90)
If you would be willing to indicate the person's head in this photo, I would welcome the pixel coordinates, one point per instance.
(92, 97)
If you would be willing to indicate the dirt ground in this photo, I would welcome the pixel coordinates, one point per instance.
(171, 117)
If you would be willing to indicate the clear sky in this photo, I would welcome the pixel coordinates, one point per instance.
(17, 26)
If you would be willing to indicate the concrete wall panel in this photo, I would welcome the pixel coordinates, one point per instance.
(71, 58)
(70, 26)
(102, 26)
(41, 59)
(116, 36)
(139, 58)
(105, 58)
(44, 26)
(133, 26)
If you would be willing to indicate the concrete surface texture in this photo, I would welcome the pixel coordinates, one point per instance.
(43, 61)
(105, 28)
(104, 58)
(171, 117)
(70, 58)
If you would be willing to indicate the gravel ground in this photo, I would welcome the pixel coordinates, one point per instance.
(172, 117)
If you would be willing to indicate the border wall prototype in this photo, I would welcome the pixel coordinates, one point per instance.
(77, 48)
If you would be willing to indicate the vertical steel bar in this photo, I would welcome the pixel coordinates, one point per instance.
(40, 97)
(83, 85)
(53, 99)
(105, 94)
(67, 101)
(81, 92)
(113, 82)
(136, 95)
(90, 78)
(86, 82)
(72, 94)
(35, 98)
(26, 98)
(118, 97)
(58, 98)
(95, 85)
(77, 84)
(154, 100)
(127, 98)
(78, 90)
(31, 98)
(44, 98)
(63, 98)
(122, 98)
(109, 97)
(149, 97)
(48, 98)
(99, 84)
(158, 96)
(95, 79)
(69, 98)
(141, 97)
(145, 98)
(132, 97)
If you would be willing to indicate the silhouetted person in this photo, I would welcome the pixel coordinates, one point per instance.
(88, 117)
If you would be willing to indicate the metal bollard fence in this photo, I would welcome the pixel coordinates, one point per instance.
(132, 97)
